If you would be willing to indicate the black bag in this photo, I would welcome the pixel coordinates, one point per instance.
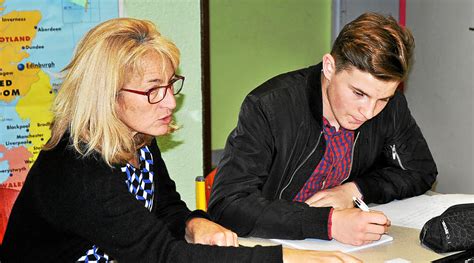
(453, 230)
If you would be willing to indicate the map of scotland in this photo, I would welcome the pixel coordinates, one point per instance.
(37, 40)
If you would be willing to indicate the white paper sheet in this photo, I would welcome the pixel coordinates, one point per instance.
(416, 211)
(318, 244)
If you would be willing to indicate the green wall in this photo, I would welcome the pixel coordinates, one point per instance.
(254, 40)
(180, 22)
(250, 41)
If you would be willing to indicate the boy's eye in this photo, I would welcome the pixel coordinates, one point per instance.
(358, 93)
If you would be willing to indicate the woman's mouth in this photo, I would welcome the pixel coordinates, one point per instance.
(166, 119)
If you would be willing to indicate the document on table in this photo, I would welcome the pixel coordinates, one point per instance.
(416, 211)
(318, 244)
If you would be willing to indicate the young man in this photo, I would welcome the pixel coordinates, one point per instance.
(309, 141)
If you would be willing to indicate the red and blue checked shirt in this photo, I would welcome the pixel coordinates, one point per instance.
(335, 164)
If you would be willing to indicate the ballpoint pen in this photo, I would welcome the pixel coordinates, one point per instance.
(360, 204)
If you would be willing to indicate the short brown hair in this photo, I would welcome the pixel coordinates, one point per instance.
(375, 44)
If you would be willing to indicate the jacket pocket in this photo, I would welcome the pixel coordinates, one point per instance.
(395, 156)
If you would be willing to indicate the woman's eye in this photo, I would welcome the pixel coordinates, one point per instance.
(152, 89)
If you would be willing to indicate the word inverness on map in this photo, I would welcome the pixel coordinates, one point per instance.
(37, 39)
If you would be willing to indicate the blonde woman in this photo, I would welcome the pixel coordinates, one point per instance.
(99, 190)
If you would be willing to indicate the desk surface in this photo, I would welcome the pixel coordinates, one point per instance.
(405, 245)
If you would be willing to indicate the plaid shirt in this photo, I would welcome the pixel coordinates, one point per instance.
(335, 164)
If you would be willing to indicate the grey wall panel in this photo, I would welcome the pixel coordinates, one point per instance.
(440, 87)
(345, 11)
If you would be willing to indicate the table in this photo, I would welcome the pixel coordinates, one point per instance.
(405, 245)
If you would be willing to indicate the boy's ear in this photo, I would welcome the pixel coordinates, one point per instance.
(329, 66)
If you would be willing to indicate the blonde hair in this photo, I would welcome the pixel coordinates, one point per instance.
(85, 106)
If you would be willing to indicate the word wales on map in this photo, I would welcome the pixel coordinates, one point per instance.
(37, 39)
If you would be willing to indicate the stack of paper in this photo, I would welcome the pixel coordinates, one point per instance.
(318, 244)
(416, 211)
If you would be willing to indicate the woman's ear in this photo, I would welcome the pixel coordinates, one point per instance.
(329, 66)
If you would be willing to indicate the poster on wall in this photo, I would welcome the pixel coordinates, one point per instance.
(37, 40)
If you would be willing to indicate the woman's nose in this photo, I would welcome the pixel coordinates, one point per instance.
(169, 101)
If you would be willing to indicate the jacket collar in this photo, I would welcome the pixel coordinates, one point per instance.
(314, 91)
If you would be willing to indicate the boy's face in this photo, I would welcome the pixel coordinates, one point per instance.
(355, 97)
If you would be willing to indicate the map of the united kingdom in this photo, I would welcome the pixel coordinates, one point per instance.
(37, 39)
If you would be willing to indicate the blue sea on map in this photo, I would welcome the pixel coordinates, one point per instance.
(74, 21)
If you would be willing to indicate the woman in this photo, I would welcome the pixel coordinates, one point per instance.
(100, 190)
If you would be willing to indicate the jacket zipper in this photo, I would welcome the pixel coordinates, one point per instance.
(352, 158)
(299, 166)
(395, 156)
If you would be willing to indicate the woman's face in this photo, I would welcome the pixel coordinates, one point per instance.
(134, 109)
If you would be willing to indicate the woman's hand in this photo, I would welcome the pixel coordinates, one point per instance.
(302, 256)
(206, 232)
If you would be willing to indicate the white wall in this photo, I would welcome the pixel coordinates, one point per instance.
(440, 87)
